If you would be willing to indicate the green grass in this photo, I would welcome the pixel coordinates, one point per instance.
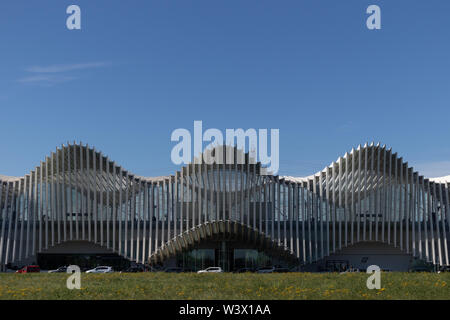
(226, 286)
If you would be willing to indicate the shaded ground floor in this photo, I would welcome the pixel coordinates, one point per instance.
(232, 255)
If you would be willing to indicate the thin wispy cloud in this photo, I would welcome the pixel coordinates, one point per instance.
(46, 80)
(56, 74)
(65, 67)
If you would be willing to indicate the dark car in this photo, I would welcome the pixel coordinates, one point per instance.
(421, 269)
(281, 270)
(173, 270)
(243, 270)
(60, 269)
(134, 269)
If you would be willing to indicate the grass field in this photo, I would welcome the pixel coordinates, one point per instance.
(226, 286)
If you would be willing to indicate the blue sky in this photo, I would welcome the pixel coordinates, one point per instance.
(140, 69)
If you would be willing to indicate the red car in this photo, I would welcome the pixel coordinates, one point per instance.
(29, 269)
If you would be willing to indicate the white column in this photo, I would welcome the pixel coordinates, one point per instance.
(13, 208)
(339, 215)
(108, 202)
(391, 190)
(384, 203)
(41, 205)
(69, 212)
(414, 210)
(182, 211)
(29, 212)
(152, 216)
(194, 195)
(133, 218)
(157, 213)
(47, 202)
(83, 182)
(102, 190)
(314, 207)
(365, 210)
(430, 217)
(188, 196)
(409, 204)
(4, 215)
(353, 200)
(18, 218)
(291, 215)
(378, 190)
(436, 222)
(285, 214)
(346, 197)
(371, 193)
(115, 188)
(425, 201)
(35, 210)
(397, 195)
(333, 204)
(309, 216)
(64, 197)
(88, 194)
(321, 215)
(145, 218)
(138, 211)
(297, 217)
(278, 207)
(176, 202)
(200, 198)
(303, 209)
(78, 193)
(164, 212)
(420, 213)
(96, 190)
(29, 203)
(443, 220)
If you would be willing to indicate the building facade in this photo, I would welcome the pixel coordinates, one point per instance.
(367, 204)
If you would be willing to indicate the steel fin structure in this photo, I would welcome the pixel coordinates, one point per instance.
(368, 195)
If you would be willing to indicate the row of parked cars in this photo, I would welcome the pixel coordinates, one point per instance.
(35, 268)
(272, 269)
(99, 269)
(108, 269)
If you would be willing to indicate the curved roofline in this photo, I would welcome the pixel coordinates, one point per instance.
(347, 155)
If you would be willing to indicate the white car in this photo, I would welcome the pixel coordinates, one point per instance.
(211, 269)
(101, 269)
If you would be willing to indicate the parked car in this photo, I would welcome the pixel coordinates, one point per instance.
(421, 269)
(211, 269)
(281, 270)
(101, 269)
(60, 269)
(29, 269)
(134, 269)
(265, 270)
(173, 270)
(242, 270)
(154, 269)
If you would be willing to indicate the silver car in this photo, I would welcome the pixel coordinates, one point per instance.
(211, 269)
(101, 269)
